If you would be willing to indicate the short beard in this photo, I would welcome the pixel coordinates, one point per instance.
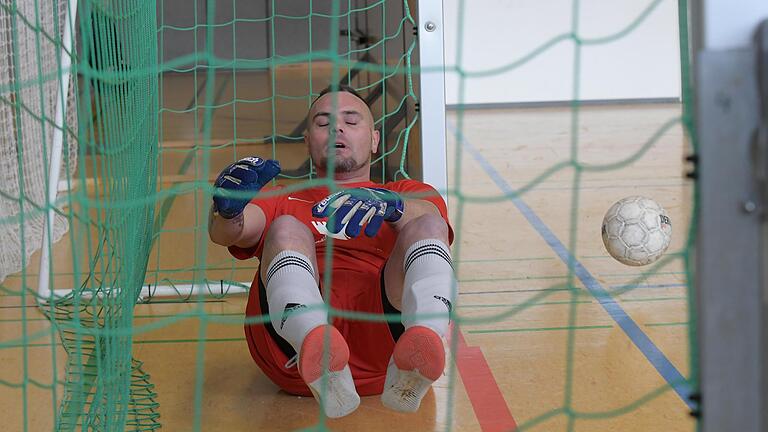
(341, 165)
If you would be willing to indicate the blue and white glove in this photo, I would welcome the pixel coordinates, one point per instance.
(353, 208)
(245, 178)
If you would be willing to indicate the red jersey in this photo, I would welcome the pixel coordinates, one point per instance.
(357, 285)
(359, 253)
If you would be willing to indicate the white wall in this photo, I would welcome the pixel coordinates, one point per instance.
(643, 64)
(730, 24)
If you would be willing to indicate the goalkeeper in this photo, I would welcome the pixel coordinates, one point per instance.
(390, 255)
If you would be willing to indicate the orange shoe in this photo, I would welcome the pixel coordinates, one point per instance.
(417, 361)
(334, 390)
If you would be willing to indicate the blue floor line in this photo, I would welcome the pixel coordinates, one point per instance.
(654, 355)
(633, 287)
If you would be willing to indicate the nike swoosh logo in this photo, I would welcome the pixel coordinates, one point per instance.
(321, 228)
(290, 198)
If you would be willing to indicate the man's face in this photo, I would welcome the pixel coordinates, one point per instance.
(350, 136)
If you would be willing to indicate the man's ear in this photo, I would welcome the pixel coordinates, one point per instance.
(375, 137)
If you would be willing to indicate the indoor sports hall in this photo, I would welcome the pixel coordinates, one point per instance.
(577, 306)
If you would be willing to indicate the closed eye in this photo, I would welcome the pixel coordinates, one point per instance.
(321, 119)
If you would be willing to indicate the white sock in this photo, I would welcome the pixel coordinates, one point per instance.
(429, 285)
(295, 304)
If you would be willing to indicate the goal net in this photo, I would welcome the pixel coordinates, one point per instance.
(164, 94)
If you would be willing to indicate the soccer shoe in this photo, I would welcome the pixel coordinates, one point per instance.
(417, 361)
(336, 391)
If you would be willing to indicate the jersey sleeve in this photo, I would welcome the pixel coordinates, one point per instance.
(270, 206)
(413, 189)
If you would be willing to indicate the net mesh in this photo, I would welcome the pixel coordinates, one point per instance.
(166, 99)
(30, 42)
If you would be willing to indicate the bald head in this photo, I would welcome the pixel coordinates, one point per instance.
(328, 99)
(341, 122)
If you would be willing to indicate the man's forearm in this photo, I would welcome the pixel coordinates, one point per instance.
(412, 209)
(243, 230)
(225, 232)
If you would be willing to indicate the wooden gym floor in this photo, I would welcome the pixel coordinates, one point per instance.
(529, 350)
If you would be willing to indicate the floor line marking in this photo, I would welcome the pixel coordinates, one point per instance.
(654, 355)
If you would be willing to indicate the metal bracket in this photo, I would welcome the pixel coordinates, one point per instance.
(760, 138)
(729, 244)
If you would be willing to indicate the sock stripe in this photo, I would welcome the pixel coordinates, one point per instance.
(428, 249)
(424, 253)
(286, 261)
(291, 259)
(284, 264)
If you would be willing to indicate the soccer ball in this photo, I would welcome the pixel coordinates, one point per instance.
(636, 231)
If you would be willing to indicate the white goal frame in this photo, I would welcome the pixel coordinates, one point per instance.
(431, 80)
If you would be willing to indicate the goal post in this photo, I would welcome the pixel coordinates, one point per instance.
(44, 291)
(731, 254)
(432, 94)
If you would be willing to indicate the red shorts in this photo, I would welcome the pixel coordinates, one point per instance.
(370, 342)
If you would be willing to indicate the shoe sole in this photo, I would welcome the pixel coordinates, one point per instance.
(404, 390)
(340, 398)
(417, 361)
(334, 389)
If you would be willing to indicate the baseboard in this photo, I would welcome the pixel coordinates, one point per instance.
(563, 103)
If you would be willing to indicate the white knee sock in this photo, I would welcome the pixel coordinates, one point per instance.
(429, 285)
(295, 303)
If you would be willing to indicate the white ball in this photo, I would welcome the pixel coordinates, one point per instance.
(636, 231)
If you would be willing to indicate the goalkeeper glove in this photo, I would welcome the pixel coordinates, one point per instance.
(238, 183)
(353, 208)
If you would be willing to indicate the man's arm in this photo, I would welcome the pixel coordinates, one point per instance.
(232, 219)
(412, 209)
(244, 230)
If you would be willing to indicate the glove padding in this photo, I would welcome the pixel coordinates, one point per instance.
(356, 207)
(244, 177)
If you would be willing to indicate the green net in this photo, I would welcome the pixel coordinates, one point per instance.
(165, 95)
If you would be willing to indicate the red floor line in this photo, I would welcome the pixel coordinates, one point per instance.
(484, 394)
